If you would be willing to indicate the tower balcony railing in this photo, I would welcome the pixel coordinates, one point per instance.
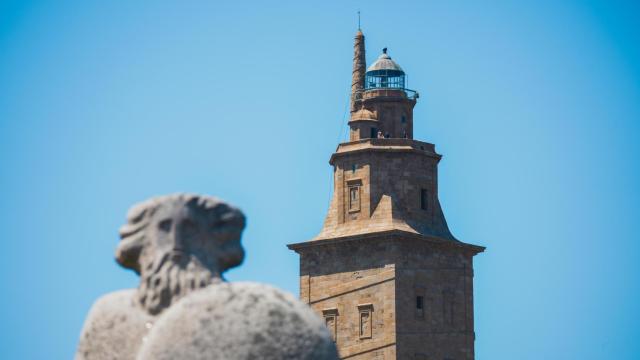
(374, 92)
(387, 143)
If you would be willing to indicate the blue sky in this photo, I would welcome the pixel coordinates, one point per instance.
(534, 105)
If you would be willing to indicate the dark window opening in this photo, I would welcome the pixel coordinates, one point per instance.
(353, 168)
(424, 199)
(419, 302)
(448, 307)
(374, 133)
(403, 119)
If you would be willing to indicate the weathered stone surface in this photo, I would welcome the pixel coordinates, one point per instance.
(114, 328)
(238, 321)
(181, 245)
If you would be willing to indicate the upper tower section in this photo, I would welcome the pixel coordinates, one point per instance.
(381, 105)
(384, 180)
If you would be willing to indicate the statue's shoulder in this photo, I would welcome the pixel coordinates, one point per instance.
(113, 301)
(241, 320)
(114, 327)
(111, 309)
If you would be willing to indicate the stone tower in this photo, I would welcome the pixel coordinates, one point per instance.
(385, 272)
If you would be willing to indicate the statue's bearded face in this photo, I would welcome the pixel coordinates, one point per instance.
(185, 246)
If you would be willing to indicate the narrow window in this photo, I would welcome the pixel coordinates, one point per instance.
(374, 133)
(354, 198)
(448, 307)
(331, 321)
(419, 307)
(403, 119)
(424, 199)
(353, 168)
(366, 323)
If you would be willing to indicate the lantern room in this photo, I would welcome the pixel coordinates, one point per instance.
(385, 73)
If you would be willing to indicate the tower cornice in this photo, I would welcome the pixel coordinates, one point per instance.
(385, 145)
(389, 235)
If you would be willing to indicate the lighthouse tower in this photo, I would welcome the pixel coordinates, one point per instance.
(385, 272)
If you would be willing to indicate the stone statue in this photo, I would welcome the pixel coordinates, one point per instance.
(180, 245)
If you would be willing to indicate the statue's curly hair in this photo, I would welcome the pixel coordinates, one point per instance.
(133, 235)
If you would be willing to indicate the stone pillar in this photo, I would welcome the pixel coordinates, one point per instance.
(359, 69)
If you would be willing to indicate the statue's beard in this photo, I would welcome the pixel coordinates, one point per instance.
(168, 278)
